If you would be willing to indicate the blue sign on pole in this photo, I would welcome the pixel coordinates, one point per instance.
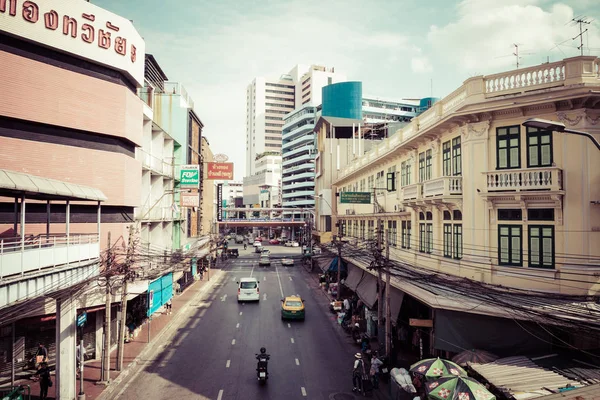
(81, 319)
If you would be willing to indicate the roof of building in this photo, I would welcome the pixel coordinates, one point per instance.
(336, 121)
(14, 183)
(520, 378)
(591, 392)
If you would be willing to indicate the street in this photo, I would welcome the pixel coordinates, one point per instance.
(212, 356)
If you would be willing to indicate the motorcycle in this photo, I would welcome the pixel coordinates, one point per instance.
(261, 367)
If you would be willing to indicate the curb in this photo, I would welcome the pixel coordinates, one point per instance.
(114, 384)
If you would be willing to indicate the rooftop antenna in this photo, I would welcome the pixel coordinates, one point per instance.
(516, 54)
(581, 20)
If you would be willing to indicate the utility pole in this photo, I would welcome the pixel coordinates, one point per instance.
(105, 375)
(339, 267)
(388, 289)
(127, 275)
(379, 282)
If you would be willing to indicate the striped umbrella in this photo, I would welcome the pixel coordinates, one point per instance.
(474, 356)
(437, 367)
(457, 388)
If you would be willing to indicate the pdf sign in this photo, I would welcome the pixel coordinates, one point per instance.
(190, 176)
(219, 171)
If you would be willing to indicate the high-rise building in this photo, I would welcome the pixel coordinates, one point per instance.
(269, 100)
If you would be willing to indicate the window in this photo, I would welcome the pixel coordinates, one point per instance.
(425, 233)
(446, 160)
(540, 214)
(392, 170)
(392, 232)
(329, 80)
(405, 173)
(406, 228)
(371, 230)
(514, 214)
(429, 238)
(448, 240)
(539, 148)
(421, 237)
(458, 241)
(510, 245)
(428, 158)
(362, 229)
(508, 148)
(541, 246)
(456, 156)
(422, 167)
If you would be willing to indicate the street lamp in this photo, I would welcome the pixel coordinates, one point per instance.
(557, 127)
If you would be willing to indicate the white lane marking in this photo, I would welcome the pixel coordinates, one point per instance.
(237, 325)
(252, 271)
(264, 296)
(279, 279)
(297, 362)
(264, 278)
(220, 396)
(228, 363)
(290, 278)
(303, 391)
(289, 325)
(224, 297)
(233, 342)
(241, 311)
(292, 339)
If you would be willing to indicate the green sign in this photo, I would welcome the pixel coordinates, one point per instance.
(355, 198)
(189, 176)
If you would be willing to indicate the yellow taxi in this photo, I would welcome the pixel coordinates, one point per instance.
(292, 307)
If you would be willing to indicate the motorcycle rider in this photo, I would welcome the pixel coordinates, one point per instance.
(262, 358)
(244, 245)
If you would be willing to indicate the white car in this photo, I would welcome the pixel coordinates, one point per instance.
(295, 244)
(264, 260)
(257, 243)
(291, 243)
(287, 261)
(248, 290)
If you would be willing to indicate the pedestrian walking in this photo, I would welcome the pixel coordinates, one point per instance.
(45, 381)
(374, 372)
(169, 306)
(80, 356)
(358, 372)
(41, 355)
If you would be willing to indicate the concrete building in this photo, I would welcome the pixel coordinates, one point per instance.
(487, 201)
(231, 191)
(70, 122)
(269, 100)
(266, 180)
(208, 196)
(158, 214)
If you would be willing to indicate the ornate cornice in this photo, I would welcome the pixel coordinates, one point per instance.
(476, 131)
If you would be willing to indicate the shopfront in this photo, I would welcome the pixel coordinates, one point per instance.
(160, 291)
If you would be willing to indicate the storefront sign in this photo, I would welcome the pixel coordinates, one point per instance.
(190, 200)
(219, 171)
(220, 202)
(189, 176)
(422, 323)
(81, 318)
(355, 198)
(78, 28)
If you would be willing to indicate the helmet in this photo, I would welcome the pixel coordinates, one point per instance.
(263, 350)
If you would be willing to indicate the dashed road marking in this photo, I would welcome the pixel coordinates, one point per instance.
(297, 362)
(289, 325)
(220, 396)
(303, 391)
(228, 363)
(290, 278)
(233, 342)
(237, 325)
(292, 339)
(224, 297)
(265, 296)
(241, 311)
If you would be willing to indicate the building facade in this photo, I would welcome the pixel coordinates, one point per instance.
(267, 179)
(484, 204)
(208, 195)
(269, 100)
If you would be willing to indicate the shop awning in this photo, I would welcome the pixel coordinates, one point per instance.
(367, 289)
(396, 298)
(354, 275)
(323, 262)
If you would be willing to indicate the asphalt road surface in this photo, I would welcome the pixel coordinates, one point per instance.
(213, 355)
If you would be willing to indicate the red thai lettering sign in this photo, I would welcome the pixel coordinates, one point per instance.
(219, 171)
(79, 28)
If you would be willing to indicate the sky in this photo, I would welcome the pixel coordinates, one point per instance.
(398, 49)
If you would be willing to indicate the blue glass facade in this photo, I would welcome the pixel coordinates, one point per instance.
(342, 100)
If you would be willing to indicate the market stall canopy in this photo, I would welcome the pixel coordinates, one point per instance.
(457, 388)
(474, 356)
(367, 289)
(436, 368)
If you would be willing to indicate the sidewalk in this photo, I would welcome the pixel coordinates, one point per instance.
(92, 369)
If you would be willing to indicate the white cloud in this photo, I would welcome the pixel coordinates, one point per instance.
(420, 65)
(483, 36)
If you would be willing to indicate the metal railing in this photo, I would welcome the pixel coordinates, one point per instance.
(42, 251)
(443, 186)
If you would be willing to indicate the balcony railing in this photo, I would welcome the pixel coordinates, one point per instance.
(40, 252)
(412, 192)
(155, 164)
(549, 178)
(443, 186)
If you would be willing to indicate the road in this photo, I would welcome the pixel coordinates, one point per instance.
(213, 355)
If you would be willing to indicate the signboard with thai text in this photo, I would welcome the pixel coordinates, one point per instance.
(422, 323)
(219, 171)
(190, 200)
(220, 202)
(189, 176)
(79, 28)
(355, 197)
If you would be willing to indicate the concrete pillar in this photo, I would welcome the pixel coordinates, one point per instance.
(99, 330)
(66, 331)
